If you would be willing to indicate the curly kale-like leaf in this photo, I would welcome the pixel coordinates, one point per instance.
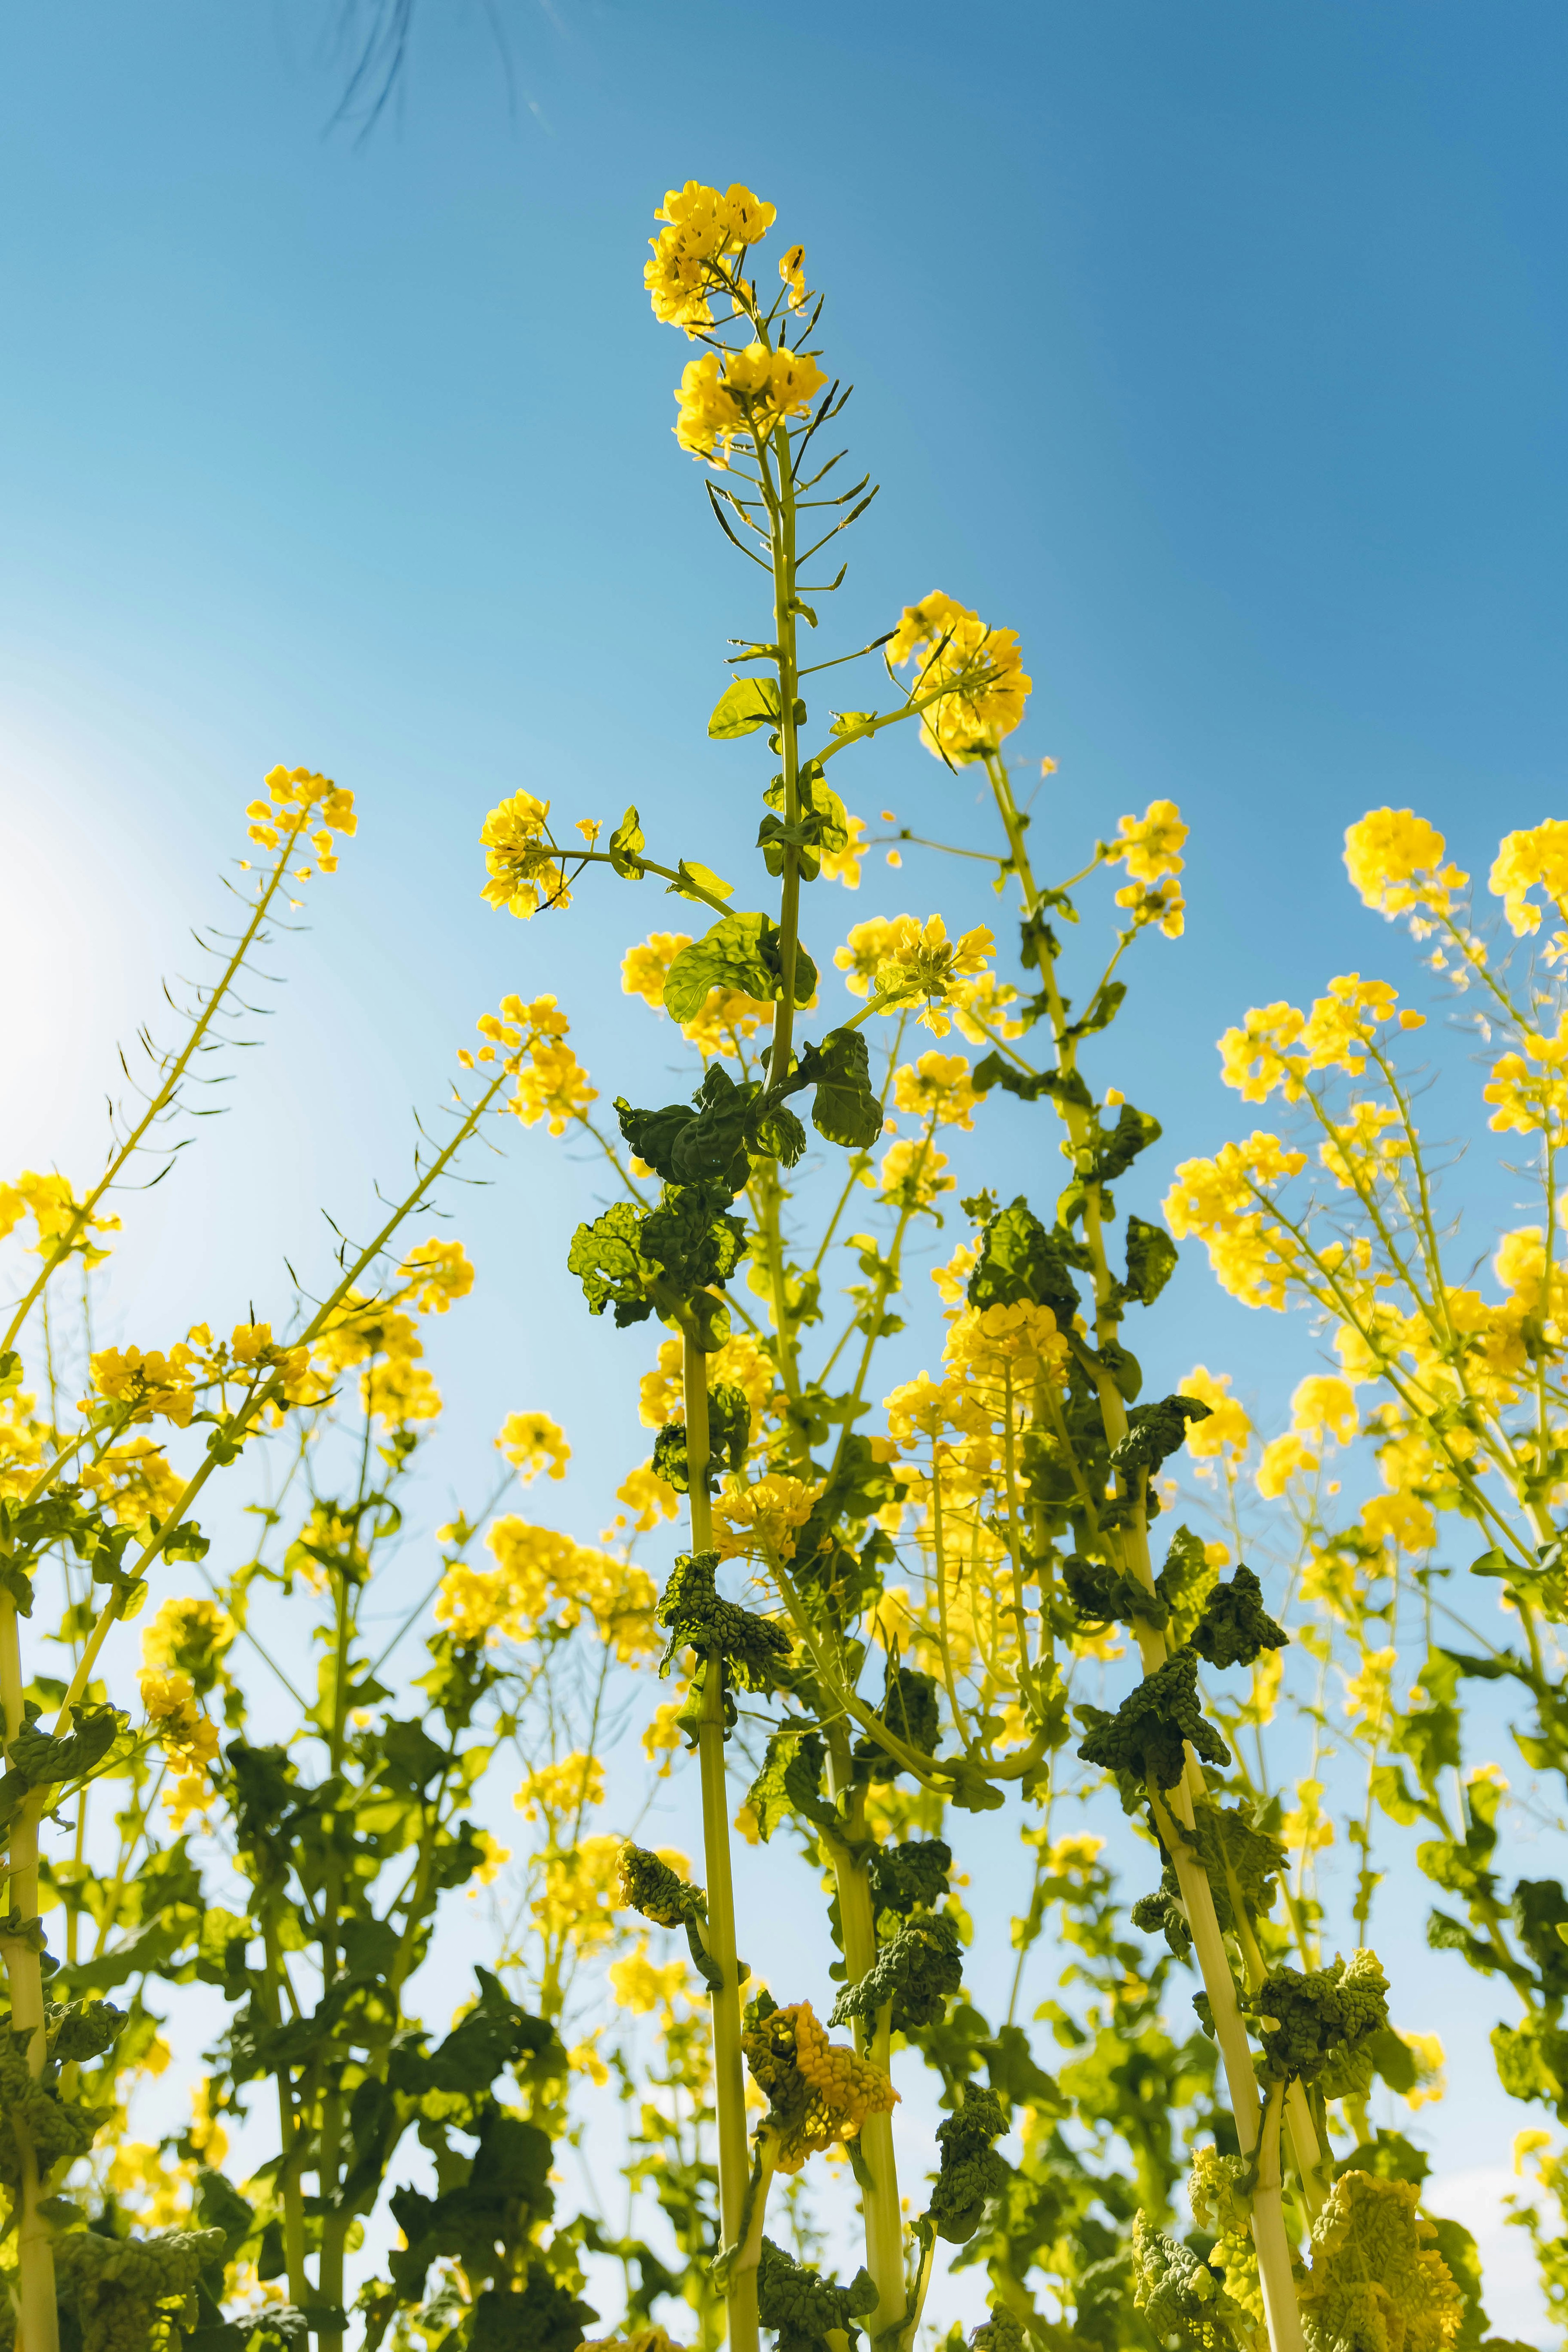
(1539, 1911)
(56, 2129)
(844, 1108)
(40, 1760)
(1134, 1132)
(729, 1434)
(909, 1877)
(802, 2306)
(1161, 1914)
(1180, 2294)
(1154, 1432)
(1315, 2027)
(608, 1260)
(716, 1141)
(691, 1239)
(1021, 1261)
(694, 1616)
(80, 2029)
(1104, 1596)
(1151, 1261)
(1000, 2333)
(1375, 2278)
(917, 1970)
(740, 952)
(649, 1886)
(972, 2172)
(1234, 1628)
(123, 2292)
(1185, 1582)
(1235, 1851)
(1144, 1738)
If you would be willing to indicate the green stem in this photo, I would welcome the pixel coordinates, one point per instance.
(857, 1921)
(36, 2260)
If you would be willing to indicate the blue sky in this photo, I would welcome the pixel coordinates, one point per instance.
(1219, 350)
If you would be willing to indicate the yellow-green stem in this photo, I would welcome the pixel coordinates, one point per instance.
(857, 1926)
(729, 2074)
(36, 2262)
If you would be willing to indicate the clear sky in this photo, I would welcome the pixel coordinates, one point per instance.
(1218, 349)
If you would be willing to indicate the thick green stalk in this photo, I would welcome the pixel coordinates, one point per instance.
(40, 2329)
(856, 1922)
(729, 2072)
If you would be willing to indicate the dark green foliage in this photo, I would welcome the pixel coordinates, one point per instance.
(917, 1970)
(81, 2029)
(912, 1876)
(909, 1709)
(729, 1434)
(646, 1261)
(1103, 1596)
(691, 1240)
(1185, 1582)
(1179, 2294)
(649, 1886)
(1020, 1260)
(608, 1262)
(972, 2172)
(1161, 1914)
(1144, 1738)
(1151, 1261)
(1540, 1908)
(791, 1782)
(1234, 1628)
(693, 1614)
(1000, 2333)
(539, 2317)
(115, 2288)
(844, 1107)
(800, 2305)
(716, 1141)
(1134, 1132)
(738, 952)
(1154, 1432)
(1233, 1848)
(1328, 2016)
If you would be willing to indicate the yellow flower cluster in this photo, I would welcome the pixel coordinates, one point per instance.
(531, 1441)
(641, 1986)
(397, 1391)
(725, 396)
(1342, 1026)
(1224, 1436)
(1150, 847)
(818, 2091)
(576, 1903)
(1537, 857)
(999, 1350)
(981, 671)
(552, 1084)
(1395, 858)
(145, 1384)
(22, 1442)
(937, 1087)
(136, 1481)
(902, 959)
(764, 1517)
(704, 226)
(192, 1636)
(186, 1734)
(561, 1790)
(297, 799)
(521, 857)
(437, 1272)
(1322, 1407)
(934, 1409)
(495, 1857)
(1531, 1101)
(844, 864)
(741, 1363)
(54, 1210)
(544, 1579)
(911, 1174)
(649, 1499)
(646, 968)
(1220, 1202)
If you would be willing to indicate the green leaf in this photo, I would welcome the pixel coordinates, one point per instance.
(740, 952)
(1134, 1132)
(845, 722)
(746, 704)
(844, 1107)
(606, 1260)
(1020, 1260)
(626, 843)
(1151, 1260)
(695, 880)
(1104, 1006)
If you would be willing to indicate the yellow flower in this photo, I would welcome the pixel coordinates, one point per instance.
(1149, 846)
(563, 1789)
(183, 1732)
(583, 2059)
(726, 395)
(1255, 1059)
(54, 1210)
(496, 1857)
(438, 1272)
(1538, 856)
(640, 1984)
(554, 1085)
(992, 1345)
(952, 1279)
(646, 968)
(977, 1001)
(529, 1440)
(1282, 1460)
(649, 1498)
(1531, 1101)
(521, 857)
(727, 1019)
(135, 1480)
(1309, 1829)
(930, 1408)
(151, 1384)
(937, 1086)
(792, 269)
(1403, 1521)
(741, 1363)
(1221, 1201)
(299, 798)
(844, 864)
(192, 1636)
(1158, 906)
(1323, 1406)
(980, 670)
(1395, 858)
(22, 1439)
(397, 1391)
(913, 1175)
(704, 225)
(1226, 1435)
(1367, 1692)
(766, 1518)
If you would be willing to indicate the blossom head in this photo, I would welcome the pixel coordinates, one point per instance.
(977, 674)
(919, 959)
(297, 800)
(1526, 861)
(726, 394)
(1395, 858)
(519, 857)
(532, 1441)
(703, 226)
